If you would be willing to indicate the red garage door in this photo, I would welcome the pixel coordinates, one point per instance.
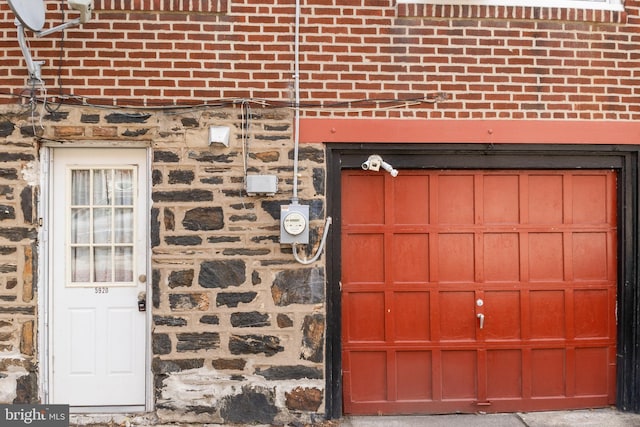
(466, 291)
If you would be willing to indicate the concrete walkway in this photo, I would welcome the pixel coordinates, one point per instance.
(608, 417)
(582, 418)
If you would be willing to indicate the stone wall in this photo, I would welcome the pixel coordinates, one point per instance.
(238, 325)
(18, 259)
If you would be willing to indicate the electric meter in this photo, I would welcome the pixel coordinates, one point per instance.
(294, 224)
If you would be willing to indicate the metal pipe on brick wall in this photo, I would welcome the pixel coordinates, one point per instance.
(296, 100)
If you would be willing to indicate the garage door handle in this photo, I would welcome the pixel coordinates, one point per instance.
(481, 317)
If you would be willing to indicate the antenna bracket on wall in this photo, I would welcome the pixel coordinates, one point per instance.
(31, 14)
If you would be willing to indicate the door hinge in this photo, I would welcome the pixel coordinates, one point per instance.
(340, 284)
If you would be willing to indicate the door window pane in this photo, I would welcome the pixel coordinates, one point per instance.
(124, 264)
(123, 186)
(80, 265)
(80, 187)
(102, 264)
(123, 225)
(101, 184)
(102, 225)
(80, 225)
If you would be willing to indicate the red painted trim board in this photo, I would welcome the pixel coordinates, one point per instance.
(320, 130)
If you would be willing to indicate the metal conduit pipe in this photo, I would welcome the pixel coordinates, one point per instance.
(296, 137)
(296, 100)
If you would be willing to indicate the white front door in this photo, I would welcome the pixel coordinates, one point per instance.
(98, 275)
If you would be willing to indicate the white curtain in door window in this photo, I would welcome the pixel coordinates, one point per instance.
(101, 187)
(102, 264)
(102, 232)
(80, 221)
(123, 224)
(80, 185)
(123, 180)
(80, 226)
(124, 264)
(80, 262)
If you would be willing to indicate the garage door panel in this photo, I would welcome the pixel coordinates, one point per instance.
(502, 315)
(591, 371)
(365, 312)
(414, 377)
(457, 316)
(411, 194)
(591, 313)
(589, 199)
(456, 199)
(547, 314)
(456, 257)
(546, 257)
(501, 199)
(548, 372)
(366, 199)
(546, 199)
(368, 372)
(410, 257)
(501, 257)
(367, 253)
(412, 319)
(459, 374)
(590, 256)
(504, 368)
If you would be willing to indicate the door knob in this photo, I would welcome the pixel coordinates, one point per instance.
(481, 317)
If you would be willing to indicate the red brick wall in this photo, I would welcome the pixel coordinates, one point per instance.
(491, 62)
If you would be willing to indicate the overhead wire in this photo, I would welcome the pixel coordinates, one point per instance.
(36, 85)
(354, 105)
(29, 94)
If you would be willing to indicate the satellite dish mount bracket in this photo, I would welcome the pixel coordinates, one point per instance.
(34, 67)
(31, 14)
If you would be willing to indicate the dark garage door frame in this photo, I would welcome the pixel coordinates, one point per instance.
(622, 158)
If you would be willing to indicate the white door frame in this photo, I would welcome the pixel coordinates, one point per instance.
(44, 274)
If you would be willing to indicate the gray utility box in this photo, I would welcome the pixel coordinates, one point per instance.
(262, 184)
(294, 224)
